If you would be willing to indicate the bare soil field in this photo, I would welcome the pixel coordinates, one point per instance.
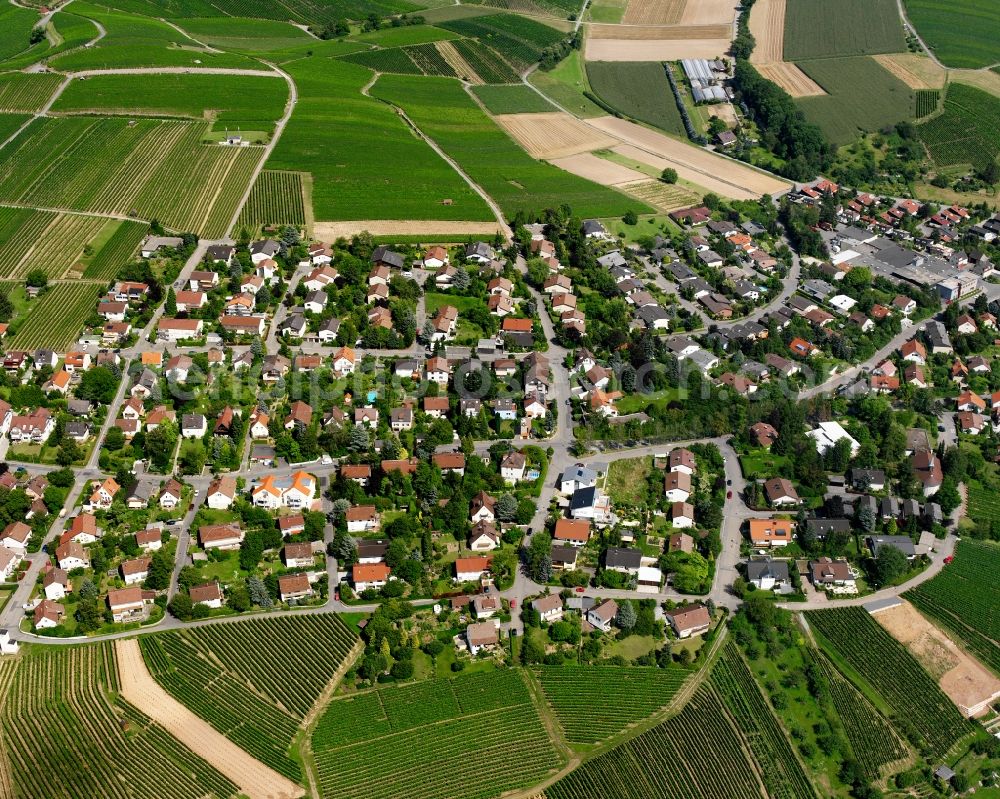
(457, 63)
(737, 176)
(553, 135)
(653, 49)
(654, 32)
(654, 12)
(964, 680)
(607, 173)
(710, 183)
(709, 12)
(916, 71)
(790, 78)
(330, 231)
(138, 687)
(725, 112)
(767, 24)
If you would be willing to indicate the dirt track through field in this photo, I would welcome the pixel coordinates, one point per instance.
(653, 49)
(331, 231)
(964, 680)
(654, 12)
(552, 135)
(140, 689)
(790, 78)
(692, 163)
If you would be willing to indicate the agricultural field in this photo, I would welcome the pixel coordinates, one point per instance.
(57, 713)
(519, 40)
(393, 59)
(19, 229)
(518, 99)
(420, 740)
(116, 252)
(55, 318)
(861, 96)
(955, 599)
(849, 27)
(277, 198)
(70, 30)
(333, 122)
(553, 135)
(305, 11)
(962, 33)
(274, 670)
(10, 123)
(698, 752)
(152, 168)
(229, 101)
(15, 28)
(967, 132)
(874, 742)
(782, 771)
(442, 110)
(486, 63)
(26, 91)
(405, 36)
(246, 35)
(927, 101)
(639, 90)
(141, 41)
(928, 718)
(662, 196)
(59, 247)
(430, 59)
(593, 702)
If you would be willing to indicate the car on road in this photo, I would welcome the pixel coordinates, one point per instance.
(940, 428)
(580, 589)
(729, 495)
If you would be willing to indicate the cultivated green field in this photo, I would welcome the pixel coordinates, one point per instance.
(45, 240)
(638, 89)
(153, 169)
(250, 103)
(962, 33)
(306, 11)
(697, 753)
(116, 252)
(593, 702)
(246, 35)
(471, 737)
(928, 718)
(64, 735)
(56, 317)
(967, 132)
(818, 29)
(408, 35)
(519, 99)
(136, 41)
(26, 91)
(399, 177)
(519, 40)
(277, 198)
(957, 599)
(252, 680)
(15, 28)
(862, 96)
(442, 110)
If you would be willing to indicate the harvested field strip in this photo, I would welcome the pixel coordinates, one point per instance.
(917, 72)
(664, 32)
(552, 135)
(654, 12)
(138, 687)
(589, 166)
(767, 24)
(792, 79)
(653, 49)
(710, 12)
(55, 318)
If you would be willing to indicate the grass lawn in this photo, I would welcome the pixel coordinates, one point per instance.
(633, 403)
(761, 463)
(632, 647)
(226, 571)
(435, 300)
(649, 225)
(626, 481)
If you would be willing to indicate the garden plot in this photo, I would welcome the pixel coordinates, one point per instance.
(967, 683)
(553, 135)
